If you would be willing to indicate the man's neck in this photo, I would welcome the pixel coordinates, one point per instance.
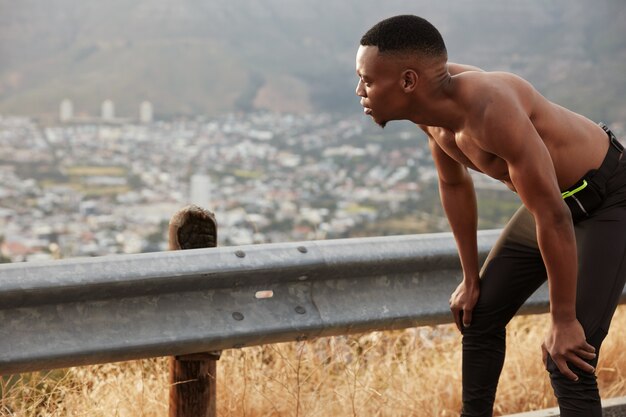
(439, 108)
(434, 103)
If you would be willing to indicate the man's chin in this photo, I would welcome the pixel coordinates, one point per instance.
(381, 123)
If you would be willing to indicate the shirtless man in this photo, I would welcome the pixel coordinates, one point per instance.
(571, 229)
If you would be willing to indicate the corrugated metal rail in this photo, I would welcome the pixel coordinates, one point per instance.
(114, 308)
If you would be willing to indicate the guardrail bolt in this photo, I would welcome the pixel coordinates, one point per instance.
(302, 249)
(240, 254)
(300, 310)
(237, 316)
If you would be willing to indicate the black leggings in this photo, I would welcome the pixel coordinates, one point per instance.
(514, 270)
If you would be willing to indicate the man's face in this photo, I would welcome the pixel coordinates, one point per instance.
(379, 86)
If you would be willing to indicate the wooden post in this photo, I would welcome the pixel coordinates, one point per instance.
(193, 377)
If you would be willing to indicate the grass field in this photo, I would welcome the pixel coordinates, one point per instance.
(410, 373)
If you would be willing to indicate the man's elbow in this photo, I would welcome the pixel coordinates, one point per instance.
(455, 186)
(556, 216)
(460, 178)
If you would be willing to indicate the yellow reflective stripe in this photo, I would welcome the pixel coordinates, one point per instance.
(574, 191)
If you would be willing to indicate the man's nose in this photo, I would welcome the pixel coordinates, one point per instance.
(360, 91)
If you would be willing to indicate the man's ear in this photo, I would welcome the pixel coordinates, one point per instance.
(409, 80)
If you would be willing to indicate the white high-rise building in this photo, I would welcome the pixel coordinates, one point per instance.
(108, 110)
(66, 110)
(200, 190)
(145, 112)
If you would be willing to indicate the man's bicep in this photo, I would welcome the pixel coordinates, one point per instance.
(528, 161)
(534, 179)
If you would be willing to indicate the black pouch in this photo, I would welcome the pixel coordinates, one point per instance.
(583, 197)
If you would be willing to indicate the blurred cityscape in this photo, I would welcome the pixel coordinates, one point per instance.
(106, 186)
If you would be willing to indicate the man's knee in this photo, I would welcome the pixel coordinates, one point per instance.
(578, 398)
(484, 326)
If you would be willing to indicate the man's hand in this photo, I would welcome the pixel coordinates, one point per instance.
(566, 343)
(462, 302)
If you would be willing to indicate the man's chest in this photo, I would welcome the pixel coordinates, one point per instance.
(465, 149)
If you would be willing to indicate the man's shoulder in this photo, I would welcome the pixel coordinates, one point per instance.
(480, 91)
(454, 68)
(491, 80)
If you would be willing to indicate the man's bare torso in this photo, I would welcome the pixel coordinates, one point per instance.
(575, 143)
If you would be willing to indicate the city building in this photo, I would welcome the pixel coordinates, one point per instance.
(200, 190)
(108, 110)
(66, 110)
(145, 112)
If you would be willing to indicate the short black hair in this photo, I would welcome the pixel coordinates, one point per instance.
(406, 33)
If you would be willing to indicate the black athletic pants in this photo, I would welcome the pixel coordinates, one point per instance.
(514, 270)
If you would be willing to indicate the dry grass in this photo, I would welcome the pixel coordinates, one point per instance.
(411, 373)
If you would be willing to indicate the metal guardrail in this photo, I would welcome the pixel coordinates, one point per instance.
(114, 308)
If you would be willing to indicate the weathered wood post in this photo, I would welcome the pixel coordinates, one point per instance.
(193, 377)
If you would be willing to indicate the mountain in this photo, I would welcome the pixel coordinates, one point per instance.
(193, 57)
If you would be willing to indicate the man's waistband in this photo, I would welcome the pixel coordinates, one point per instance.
(587, 194)
(606, 169)
(611, 160)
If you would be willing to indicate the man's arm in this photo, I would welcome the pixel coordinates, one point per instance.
(458, 199)
(509, 134)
